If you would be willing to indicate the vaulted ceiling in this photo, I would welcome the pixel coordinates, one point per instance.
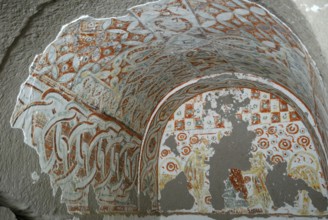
(98, 100)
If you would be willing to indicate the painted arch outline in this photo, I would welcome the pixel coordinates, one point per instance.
(80, 107)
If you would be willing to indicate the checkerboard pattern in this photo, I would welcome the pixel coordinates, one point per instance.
(264, 108)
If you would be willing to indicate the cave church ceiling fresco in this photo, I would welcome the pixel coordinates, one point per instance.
(243, 151)
(93, 107)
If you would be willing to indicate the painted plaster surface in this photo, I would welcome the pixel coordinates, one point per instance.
(90, 95)
(104, 54)
(79, 148)
(242, 151)
(271, 52)
(190, 90)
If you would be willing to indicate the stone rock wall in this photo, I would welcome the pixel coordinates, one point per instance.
(27, 27)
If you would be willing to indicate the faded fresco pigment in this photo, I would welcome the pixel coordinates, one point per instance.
(105, 106)
(242, 151)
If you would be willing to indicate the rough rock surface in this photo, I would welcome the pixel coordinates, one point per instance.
(27, 27)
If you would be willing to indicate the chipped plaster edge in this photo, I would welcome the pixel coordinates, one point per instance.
(241, 76)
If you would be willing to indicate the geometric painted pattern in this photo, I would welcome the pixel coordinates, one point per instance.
(196, 128)
(89, 98)
(79, 149)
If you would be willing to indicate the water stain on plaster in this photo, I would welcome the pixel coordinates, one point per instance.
(175, 195)
(283, 189)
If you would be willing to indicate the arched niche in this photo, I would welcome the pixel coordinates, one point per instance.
(173, 161)
(89, 102)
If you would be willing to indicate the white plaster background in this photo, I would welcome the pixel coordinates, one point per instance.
(28, 26)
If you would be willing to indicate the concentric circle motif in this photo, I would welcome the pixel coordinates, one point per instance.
(277, 159)
(182, 136)
(285, 144)
(164, 153)
(303, 140)
(263, 143)
(194, 139)
(186, 150)
(292, 128)
(272, 130)
(170, 166)
(259, 131)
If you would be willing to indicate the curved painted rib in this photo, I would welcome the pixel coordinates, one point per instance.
(90, 95)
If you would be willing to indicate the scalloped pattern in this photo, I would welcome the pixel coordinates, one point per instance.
(89, 100)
